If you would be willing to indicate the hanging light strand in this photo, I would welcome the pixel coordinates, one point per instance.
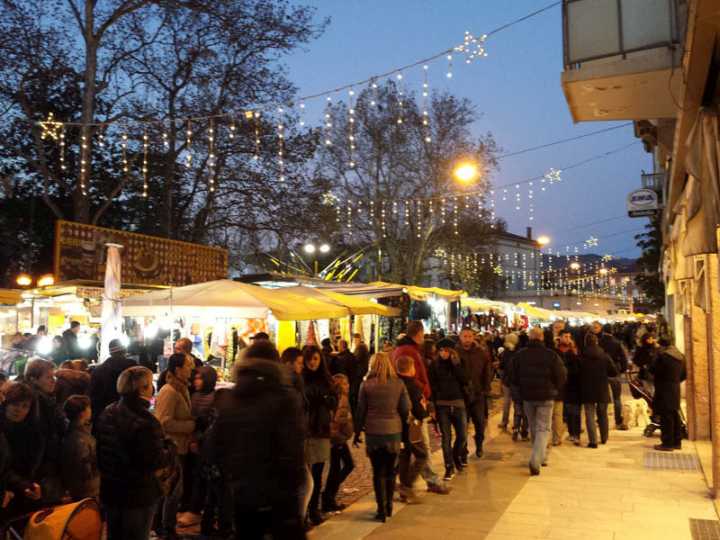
(145, 164)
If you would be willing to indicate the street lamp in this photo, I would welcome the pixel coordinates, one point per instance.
(466, 172)
(24, 280)
(311, 249)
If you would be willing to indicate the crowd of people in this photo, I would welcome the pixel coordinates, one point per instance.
(178, 449)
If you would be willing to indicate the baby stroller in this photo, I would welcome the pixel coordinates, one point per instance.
(75, 521)
(638, 391)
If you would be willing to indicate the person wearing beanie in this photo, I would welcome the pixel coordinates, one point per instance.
(103, 379)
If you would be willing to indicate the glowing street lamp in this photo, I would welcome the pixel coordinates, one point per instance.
(24, 280)
(466, 172)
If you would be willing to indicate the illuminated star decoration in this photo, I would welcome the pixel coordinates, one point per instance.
(50, 128)
(473, 47)
(553, 175)
(329, 198)
(591, 242)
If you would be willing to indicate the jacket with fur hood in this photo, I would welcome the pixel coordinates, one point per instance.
(258, 439)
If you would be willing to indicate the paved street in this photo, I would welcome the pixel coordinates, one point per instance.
(604, 494)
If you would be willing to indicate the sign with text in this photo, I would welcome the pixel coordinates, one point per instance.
(642, 203)
(80, 254)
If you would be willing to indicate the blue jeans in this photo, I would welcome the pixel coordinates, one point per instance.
(449, 418)
(539, 415)
(129, 523)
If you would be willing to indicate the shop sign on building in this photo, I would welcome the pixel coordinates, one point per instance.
(642, 203)
(146, 260)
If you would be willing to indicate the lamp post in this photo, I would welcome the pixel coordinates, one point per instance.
(311, 249)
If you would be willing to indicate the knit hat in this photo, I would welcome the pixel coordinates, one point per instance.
(116, 346)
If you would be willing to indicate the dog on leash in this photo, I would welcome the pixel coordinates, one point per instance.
(636, 413)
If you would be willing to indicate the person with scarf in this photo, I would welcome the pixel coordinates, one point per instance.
(567, 349)
(173, 411)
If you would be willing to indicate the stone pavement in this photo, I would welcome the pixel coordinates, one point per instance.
(617, 492)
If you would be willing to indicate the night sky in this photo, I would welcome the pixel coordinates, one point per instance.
(516, 88)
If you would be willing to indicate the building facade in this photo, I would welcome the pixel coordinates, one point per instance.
(657, 63)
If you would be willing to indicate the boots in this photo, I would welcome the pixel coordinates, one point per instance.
(389, 493)
(380, 494)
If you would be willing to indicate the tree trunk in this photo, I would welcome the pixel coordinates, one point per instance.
(81, 203)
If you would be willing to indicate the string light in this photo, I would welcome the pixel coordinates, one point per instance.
(351, 127)
(328, 122)
(83, 162)
(188, 145)
(281, 146)
(145, 164)
(426, 99)
(256, 118)
(302, 114)
(62, 149)
(211, 156)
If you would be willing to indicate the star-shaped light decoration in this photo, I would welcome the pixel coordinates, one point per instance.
(329, 198)
(473, 47)
(50, 128)
(552, 176)
(591, 242)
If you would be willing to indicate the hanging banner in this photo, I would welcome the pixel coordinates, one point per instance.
(146, 260)
(642, 203)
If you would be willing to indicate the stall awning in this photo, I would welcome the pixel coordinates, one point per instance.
(357, 305)
(231, 299)
(485, 304)
(422, 293)
(10, 297)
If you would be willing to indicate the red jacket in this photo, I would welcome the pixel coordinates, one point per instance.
(407, 347)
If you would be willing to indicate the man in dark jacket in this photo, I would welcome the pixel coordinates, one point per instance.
(478, 371)
(103, 379)
(615, 351)
(596, 367)
(539, 373)
(343, 362)
(70, 342)
(258, 441)
(669, 370)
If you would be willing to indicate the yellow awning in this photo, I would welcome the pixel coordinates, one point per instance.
(231, 299)
(423, 293)
(356, 304)
(10, 296)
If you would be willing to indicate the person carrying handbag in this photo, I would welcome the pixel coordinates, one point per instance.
(414, 454)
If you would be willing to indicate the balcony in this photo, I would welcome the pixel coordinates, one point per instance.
(622, 58)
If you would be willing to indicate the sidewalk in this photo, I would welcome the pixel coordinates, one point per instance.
(621, 491)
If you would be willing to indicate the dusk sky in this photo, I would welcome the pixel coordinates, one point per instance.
(517, 90)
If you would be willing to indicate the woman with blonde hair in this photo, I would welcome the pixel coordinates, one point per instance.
(383, 406)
